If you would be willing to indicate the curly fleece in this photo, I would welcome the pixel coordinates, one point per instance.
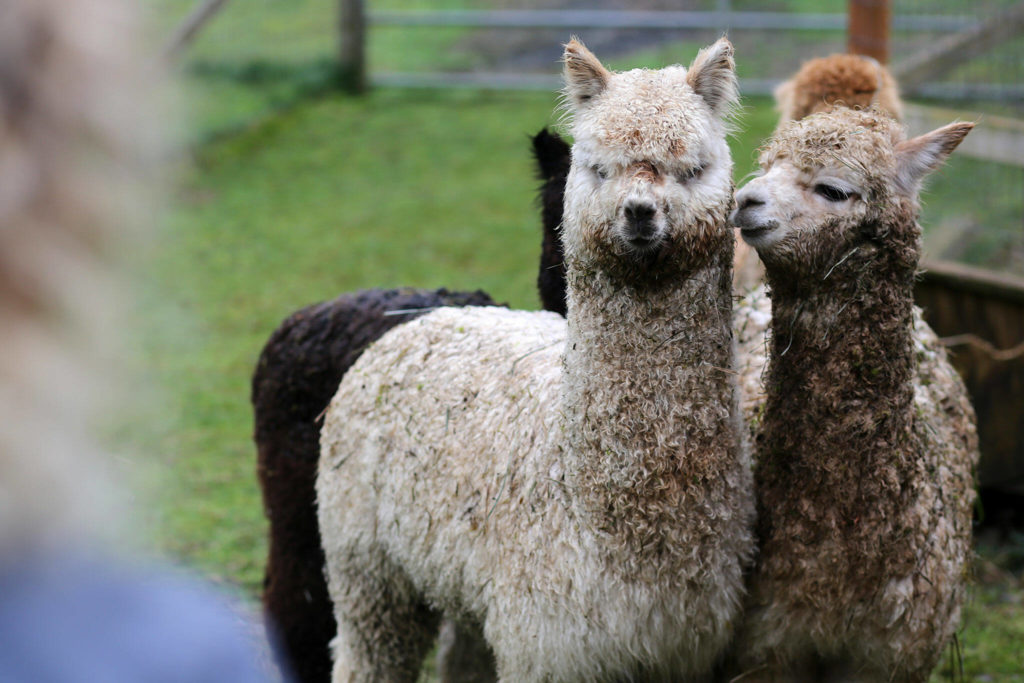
(841, 80)
(867, 448)
(297, 374)
(603, 539)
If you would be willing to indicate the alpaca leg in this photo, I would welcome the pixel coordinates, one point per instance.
(777, 674)
(812, 668)
(847, 672)
(384, 628)
(294, 590)
(463, 655)
(799, 666)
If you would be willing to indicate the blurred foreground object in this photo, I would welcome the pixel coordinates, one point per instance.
(74, 147)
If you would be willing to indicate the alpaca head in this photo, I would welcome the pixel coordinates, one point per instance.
(837, 182)
(651, 176)
(851, 81)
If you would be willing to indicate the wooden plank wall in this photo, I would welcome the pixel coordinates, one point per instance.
(994, 138)
(980, 315)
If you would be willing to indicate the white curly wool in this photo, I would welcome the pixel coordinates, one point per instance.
(531, 343)
(578, 490)
(495, 535)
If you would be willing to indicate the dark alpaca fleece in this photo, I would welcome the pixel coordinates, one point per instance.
(553, 158)
(296, 376)
(864, 489)
(841, 394)
(840, 383)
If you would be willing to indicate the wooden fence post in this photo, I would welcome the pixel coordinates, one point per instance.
(868, 30)
(352, 45)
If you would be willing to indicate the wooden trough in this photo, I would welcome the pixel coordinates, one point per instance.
(980, 316)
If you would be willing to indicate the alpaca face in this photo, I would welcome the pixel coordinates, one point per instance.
(834, 181)
(791, 208)
(650, 167)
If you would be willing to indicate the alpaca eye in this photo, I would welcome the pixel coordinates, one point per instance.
(599, 172)
(690, 174)
(831, 192)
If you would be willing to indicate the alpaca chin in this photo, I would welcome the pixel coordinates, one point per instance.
(637, 246)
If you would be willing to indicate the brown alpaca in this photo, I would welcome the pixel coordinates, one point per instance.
(819, 85)
(842, 80)
(864, 472)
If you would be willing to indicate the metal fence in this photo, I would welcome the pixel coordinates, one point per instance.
(510, 48)
(989, 64)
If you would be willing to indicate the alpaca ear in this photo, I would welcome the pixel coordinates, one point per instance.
(917, 157)
(713, 76)
(551, 153)
(585, 77)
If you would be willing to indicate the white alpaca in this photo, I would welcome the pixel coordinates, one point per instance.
(604, 540)
(867, 447)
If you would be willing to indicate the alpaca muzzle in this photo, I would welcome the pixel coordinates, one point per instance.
(641, 229)
(752, 218)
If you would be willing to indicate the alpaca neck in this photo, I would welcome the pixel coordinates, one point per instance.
(839, 408)
(648, 399)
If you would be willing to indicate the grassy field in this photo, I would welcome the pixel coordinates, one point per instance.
(285, 193)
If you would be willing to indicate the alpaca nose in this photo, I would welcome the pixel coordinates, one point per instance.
(748, 200)
(640, 219)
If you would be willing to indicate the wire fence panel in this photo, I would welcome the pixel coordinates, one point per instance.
(974, 210)
(995, 74)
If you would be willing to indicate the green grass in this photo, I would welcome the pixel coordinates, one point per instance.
(972, 211)
(290, 194)
(991, 638)
(413, 188)
(992, 629)
(333, 195)
(257, 57)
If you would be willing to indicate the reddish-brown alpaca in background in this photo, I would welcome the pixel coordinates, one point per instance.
(851, 81)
